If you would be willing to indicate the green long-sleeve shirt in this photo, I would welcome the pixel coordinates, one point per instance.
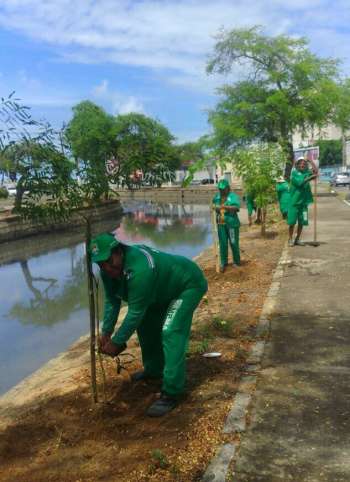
(300, 191)
(149, 277)
(283, 194)
(230, 217)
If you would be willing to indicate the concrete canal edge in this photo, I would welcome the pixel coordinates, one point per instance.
(236, 421)
(13, 227)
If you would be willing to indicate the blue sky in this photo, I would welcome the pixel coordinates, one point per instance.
(145, 56)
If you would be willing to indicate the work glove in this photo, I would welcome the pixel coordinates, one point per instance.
(112, 349)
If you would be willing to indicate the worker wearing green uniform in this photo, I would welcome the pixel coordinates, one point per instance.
(300, 198)
(251, 207)
(282, 189)
(227, 205)
(162, 291)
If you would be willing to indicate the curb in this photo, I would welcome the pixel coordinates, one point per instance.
(236, 421)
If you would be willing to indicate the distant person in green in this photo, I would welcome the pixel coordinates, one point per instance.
(251, 208)
(227, 205)
(162, 291)
(282, 189)
(300, 198)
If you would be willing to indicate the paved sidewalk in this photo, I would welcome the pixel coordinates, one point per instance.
(300, 429)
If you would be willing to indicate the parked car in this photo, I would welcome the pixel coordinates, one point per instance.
(341, 179)
(11, 189)
(195, 182)
(207, 181)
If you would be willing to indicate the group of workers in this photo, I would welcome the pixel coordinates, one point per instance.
(162, 291)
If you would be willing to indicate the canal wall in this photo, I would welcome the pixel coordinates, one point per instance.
(13, 227)
(176, 194)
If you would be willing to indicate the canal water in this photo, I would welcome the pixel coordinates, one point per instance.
(43, 293)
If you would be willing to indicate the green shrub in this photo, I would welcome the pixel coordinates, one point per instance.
(4, 194)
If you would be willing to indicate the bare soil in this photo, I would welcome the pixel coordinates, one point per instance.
(68, 438)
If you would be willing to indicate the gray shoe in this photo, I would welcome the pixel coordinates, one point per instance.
(162, 406)
(290, 243)
(297, 242)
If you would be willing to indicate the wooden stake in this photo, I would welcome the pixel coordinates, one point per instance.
(215, 239)
(92, 311)
(315, 211)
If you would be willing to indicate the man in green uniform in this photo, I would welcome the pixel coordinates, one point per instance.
(300, 198)
(282, 189)
(162, 292)
(251, 207)
(227, 204)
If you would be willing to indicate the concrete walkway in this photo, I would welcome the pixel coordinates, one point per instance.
(300, 428)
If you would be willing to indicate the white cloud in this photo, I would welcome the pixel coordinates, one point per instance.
(118, 102)
(167, 35)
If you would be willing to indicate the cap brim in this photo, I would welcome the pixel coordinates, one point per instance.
(98, 258)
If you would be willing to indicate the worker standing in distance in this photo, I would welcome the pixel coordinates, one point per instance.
(227, 204)
(300, 198)
(282, 189)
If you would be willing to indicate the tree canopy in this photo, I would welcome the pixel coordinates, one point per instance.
(286, 87)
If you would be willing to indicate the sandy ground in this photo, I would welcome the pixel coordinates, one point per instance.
(56, 433)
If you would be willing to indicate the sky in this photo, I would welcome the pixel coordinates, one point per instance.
(145, 56)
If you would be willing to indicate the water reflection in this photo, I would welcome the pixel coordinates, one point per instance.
(166, 226)
(52, 302)
(43, 296)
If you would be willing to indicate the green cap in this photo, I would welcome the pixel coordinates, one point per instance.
(223, 184)
(101, 247)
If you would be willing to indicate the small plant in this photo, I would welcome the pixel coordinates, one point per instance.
(200, 347)
(160, 459)
(222, 327)
(4, 194)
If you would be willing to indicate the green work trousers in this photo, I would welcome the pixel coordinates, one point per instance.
(164, 334)
(228, 234)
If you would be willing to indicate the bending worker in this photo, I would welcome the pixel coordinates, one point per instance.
(282, 189)
(162, 292)
(227, 204)
(300, 198)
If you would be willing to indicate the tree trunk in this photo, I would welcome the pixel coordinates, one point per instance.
(289, 151)
(344, 160)
(263, 222)
(19, 194)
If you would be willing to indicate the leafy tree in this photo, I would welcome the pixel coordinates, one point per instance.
(90, 135)
(259, 167)
(341, 112)
(143, 144)
(287, 88)
(158, 174)
(190, 152)
(330, 152)
(18, 127)
(46, 176)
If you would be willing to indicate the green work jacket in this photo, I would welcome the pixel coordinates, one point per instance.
(300, 191)
(283, 194)
(149, 277)
(231, 218)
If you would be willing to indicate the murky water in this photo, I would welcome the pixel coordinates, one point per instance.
(43, 294)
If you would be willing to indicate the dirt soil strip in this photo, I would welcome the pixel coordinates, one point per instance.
(56, 433)
(221, 467)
